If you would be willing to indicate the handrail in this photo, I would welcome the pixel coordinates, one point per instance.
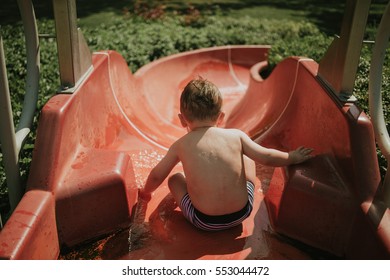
(33, 66)
(12, 142)
(7, 136)
(375, 96)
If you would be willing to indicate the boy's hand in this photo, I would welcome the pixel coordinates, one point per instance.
(300, 155)
(145, 196)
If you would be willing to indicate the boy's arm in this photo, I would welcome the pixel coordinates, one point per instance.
(159, 173)
(273, 157)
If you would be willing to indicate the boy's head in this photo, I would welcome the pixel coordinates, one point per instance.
(200, 100)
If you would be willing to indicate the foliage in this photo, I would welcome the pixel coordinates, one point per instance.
(142, 38)
(141, 41)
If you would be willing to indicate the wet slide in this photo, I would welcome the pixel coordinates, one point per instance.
(95, 148)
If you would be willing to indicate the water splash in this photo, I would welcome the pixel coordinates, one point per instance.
(143, 161)
(139, 229)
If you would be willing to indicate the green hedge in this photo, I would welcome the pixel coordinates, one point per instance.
(141, 41)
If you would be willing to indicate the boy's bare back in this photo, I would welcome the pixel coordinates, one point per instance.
(213, 165)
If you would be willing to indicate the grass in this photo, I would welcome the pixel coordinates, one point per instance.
(326, 14)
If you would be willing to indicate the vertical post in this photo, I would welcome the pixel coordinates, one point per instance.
(33, 68)
(375, 95)
(7, 137)
(73, 54)
(338, 67)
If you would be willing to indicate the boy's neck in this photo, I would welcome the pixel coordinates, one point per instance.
(198, 125)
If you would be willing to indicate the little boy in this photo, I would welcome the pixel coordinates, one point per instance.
(216, 190)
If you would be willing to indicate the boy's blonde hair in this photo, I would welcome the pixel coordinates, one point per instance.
(200, 100)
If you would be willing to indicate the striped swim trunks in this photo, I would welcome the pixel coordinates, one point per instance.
(217, 222)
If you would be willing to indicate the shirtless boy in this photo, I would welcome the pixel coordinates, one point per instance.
(217, 188)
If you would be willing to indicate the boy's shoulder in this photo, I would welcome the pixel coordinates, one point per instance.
(188, 142)
(230, 131)
(221, 131)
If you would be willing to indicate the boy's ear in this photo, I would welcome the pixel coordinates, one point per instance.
(182, 120)
(220, 118)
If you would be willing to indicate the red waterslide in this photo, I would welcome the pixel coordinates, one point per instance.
(94, 148)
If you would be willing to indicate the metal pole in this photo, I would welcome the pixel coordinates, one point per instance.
(11, 143)
(7, 137)
(33, 66)
(375, 96)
